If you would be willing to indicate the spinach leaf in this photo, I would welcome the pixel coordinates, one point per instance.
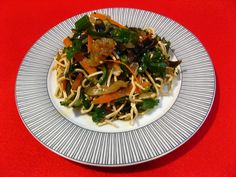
(158, 55)
(65, 103)
(144, 63)
(158, 68)
(82, 24)
(68, 87)
(121, 100)
(85, 101)
(124, 36)
(98, 114)
(153, 61)
(71, 51)
(147, 104)
(104, 77)
(81, 101)
(157, 63)
(78, 103)
(97, 34)
(124, 74)
(124, 59)
(126, 108)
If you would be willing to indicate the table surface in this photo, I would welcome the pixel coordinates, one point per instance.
(210, 152)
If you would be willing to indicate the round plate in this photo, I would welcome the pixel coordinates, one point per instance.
(162, 130)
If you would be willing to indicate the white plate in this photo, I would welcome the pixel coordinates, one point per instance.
(76, 137)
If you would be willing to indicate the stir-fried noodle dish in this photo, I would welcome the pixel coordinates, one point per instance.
(113, 72)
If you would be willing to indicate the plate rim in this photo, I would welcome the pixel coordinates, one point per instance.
(131, 163)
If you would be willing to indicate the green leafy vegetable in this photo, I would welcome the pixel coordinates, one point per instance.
(71, 51)
(124, 36)
(157, 63)
(121, 100)
(68, 87)
(124, 59)
(144, 63)
(83, 24)
(125, 74)
(147, 104)
(85, 101)
(158, 68)
(153, 61)
(98, 34)
(78, 103)
(65, 103)
(104, 77)
(81, 101)
(97, 114)
(126, 108)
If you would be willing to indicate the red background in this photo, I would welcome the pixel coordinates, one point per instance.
(210, 152)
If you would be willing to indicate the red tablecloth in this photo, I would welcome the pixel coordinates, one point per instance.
(210, 152)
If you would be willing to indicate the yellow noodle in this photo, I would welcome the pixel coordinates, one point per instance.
(113, 114)
(153, 82)
(84, 111)
(139, 86)
(82, 71)
(133, 89)
(109, 78)
(76, 97)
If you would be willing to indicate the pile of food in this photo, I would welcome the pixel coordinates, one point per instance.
(113, 72)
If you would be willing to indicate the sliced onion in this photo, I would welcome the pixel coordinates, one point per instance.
(94, 91)
(147, 95)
